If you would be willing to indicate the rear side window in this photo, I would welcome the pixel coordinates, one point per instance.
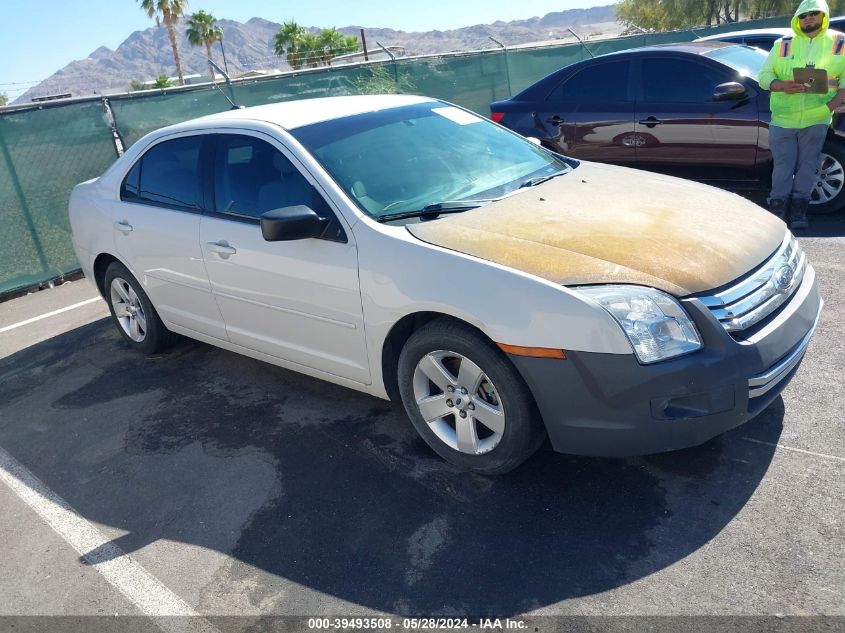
(599, 83)
(167, 175)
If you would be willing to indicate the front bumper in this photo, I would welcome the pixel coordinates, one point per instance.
(610, 405)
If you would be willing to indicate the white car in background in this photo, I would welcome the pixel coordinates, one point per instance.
(411, 249)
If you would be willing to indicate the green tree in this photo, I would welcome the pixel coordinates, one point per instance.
(331, 43)
(4, 98)
(135, 85)
(380, 81)
(168, 12)
(302, 48)
(676, 14)
(288, 42)
(204, 30)
(163, 81)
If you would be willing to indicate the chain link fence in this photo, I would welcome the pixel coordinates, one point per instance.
(45, 151)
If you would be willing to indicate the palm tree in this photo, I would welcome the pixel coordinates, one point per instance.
(301, 47)
(203, 29)
(289, 43)
(168, 11)
(332, 42)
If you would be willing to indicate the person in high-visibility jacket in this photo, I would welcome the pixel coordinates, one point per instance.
(800, 118)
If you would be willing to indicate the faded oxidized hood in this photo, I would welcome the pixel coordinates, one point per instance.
(603, 224)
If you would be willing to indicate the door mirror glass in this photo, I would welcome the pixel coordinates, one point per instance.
(731, 91)
(292, 223)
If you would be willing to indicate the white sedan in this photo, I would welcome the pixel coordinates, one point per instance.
(410, 249)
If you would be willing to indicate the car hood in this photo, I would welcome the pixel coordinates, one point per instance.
(606, 224)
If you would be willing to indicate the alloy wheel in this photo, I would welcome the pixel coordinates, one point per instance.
(830, 179)
(128, 310)
(459, 402)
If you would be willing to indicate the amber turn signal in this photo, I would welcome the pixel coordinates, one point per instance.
(536, 352)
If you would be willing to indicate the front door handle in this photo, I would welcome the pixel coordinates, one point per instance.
(124, 227)
(222, 248)
(555, 120)
(650, 122)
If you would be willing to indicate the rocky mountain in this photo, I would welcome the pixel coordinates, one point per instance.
(249, 47)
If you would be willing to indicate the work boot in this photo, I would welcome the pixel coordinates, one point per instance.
(798, 213)
(779, 207)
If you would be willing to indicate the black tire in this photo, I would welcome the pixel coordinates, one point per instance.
(832, 176)
(142, 329)
(496, 387)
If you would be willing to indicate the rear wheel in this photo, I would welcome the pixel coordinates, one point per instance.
(466, 400)
(133, 313)
(828, 194)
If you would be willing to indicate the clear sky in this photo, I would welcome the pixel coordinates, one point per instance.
(38, 37)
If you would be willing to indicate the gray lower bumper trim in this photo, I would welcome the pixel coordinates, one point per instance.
(761, 383)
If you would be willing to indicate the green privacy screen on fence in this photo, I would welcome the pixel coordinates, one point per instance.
(44, 152)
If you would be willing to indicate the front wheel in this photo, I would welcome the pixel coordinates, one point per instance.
(466, 400)
(828, 194)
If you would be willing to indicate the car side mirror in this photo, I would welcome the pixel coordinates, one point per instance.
(730, 91)
(292, 223)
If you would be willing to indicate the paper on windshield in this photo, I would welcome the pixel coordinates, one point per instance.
(457, 115)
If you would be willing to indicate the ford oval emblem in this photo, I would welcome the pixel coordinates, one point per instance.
(783, 278)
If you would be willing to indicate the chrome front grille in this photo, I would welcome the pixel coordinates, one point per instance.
(757, 295)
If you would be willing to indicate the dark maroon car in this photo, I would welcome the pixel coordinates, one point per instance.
(692, 110)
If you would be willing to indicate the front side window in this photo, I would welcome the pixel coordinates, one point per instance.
(167, 175)
(667, 80)
(252, 177)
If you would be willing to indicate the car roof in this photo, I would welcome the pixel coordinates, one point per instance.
(697, 47)
(294, 114)
(774, 32)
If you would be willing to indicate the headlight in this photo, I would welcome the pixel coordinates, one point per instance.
(655, 323)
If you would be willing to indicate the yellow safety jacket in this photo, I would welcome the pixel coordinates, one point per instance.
(826, 50)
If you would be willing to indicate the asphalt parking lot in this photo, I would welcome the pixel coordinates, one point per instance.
(200, 482)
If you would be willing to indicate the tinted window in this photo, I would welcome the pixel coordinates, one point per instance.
(679, 81)
(132, 183)
(603, 83)
(252, 177)
(168, 175)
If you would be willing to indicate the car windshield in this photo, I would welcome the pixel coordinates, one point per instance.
(746, 60)
(424, 158)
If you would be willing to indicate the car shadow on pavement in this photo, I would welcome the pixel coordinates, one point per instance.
(314, 484)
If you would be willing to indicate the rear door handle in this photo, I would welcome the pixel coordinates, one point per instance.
(555, 120)
(650, 121)
(222, 248)
(124, 227)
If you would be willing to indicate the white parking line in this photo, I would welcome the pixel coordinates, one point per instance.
(142, 588)
(797, 450)
(49, 314)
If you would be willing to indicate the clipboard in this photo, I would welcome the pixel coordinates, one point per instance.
(815, 79)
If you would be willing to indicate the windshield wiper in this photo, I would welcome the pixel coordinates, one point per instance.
(436, 208)
(537, 180)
